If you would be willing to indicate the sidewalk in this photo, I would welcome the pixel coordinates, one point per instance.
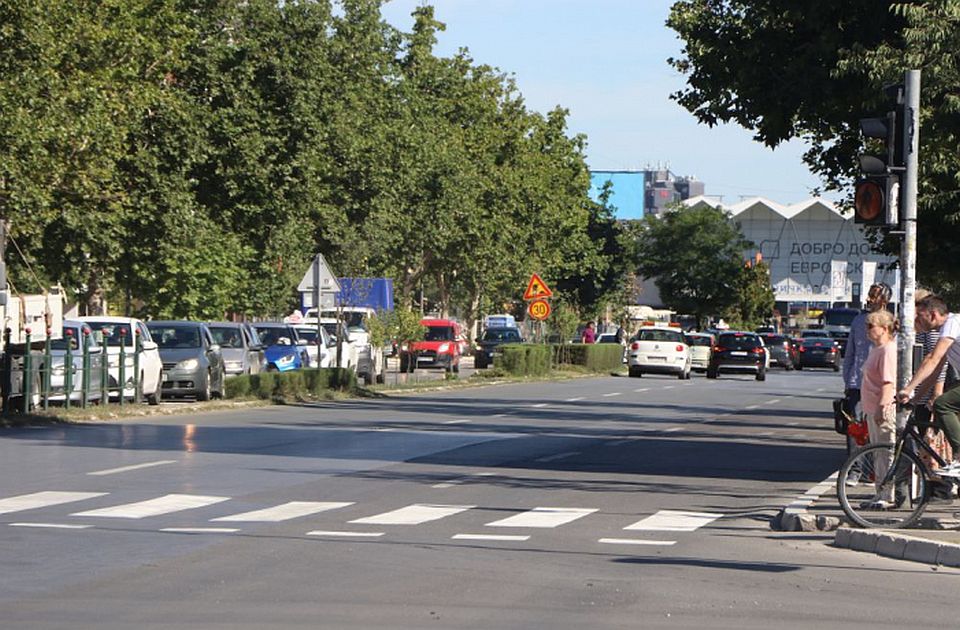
(936, 539)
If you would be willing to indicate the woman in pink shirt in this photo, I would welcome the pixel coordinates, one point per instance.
(878, 391)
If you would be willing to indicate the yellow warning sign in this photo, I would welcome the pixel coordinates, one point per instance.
(537, 289)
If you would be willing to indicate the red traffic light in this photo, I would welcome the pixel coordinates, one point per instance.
(869, 202)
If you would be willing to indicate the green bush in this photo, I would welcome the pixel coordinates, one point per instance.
(530, 359)
(538, 357)
(289, 385)
(262, 384)
(236, 386)
(512, 359)
(601, 357)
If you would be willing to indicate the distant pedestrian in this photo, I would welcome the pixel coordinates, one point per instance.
(589, 334)
(858, 347)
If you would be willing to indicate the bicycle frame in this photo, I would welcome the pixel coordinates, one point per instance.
(911, 431)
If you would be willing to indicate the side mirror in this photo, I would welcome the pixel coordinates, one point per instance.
(149, 345)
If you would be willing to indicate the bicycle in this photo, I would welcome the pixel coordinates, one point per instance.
(906, 479)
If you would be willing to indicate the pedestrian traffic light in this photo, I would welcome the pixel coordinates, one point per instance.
(877, 193)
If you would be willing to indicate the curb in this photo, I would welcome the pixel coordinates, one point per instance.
(899, 546)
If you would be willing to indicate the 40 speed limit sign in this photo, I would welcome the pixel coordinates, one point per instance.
(539, 309)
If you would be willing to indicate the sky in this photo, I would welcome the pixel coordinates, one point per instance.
(606, 62)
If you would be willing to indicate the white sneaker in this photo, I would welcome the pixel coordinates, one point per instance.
(950, 470)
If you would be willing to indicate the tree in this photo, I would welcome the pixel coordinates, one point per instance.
(754, 297)
(810, 71)
(695, 256)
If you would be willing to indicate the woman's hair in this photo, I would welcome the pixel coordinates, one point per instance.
(880, 292)
(883, 318)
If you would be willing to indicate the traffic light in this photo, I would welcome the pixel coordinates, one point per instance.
(876, 198)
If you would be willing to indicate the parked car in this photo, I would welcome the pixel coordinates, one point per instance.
(283, 348)
(782, 351)
(321, 349)
(74, 332)
(820, 352)
(120, 332)
(439, 347)
(489, 342)
(701, 348)
(659, 350)
(192, 361)
(739, 352)
(240, 347)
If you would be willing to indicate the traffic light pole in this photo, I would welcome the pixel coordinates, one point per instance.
(908, 251)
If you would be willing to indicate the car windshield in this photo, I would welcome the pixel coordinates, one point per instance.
(310, 334)
(111, 332)
(227, 336)
(696, 340)
(739, 342)
(660, 335)
(501, 334)
(175, 336)
(353, 320)
(438, 333)
(839, 317)
(276, 336)
(71, 337)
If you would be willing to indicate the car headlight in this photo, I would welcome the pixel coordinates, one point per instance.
(443, 348)
(287, 360)
(58, 370)
(233, 366)
(189, 364)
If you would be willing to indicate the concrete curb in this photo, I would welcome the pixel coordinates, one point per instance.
(899, 546)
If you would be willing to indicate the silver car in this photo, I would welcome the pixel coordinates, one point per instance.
(73, 338)
(192, 363)
(240, 347)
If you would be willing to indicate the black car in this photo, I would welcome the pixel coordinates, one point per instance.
(488, 343)
(739, 352)
(820, 352)
(782, 351)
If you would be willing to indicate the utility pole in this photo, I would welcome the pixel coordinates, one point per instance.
(908, 251)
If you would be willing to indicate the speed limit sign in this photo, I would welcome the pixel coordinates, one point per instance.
(539, 309)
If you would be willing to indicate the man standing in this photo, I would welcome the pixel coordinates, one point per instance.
(932, 311)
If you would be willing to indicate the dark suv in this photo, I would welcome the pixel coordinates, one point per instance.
(739, 352)
(488, 343)
(782, 352)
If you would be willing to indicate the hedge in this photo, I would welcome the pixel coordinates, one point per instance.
(528, 359)
(290, 385)
(601, 357)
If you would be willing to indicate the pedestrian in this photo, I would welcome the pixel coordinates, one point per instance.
(858, 347)
(933, 313)
(589, 334)
(923, 400)
(878, 393)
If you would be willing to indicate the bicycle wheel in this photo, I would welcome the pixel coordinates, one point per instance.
(897, 502)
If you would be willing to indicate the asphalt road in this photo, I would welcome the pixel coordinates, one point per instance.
(601, 502)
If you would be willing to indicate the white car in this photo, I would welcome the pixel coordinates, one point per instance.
(119, 331)
(659, 350)
(701, 348)
(322, 354)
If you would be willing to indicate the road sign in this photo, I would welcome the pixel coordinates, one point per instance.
(537, 289)
(320, 277)
(539, 309)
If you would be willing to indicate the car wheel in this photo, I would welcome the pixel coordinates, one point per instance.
(761, 374)
(154, 399)
(634, 371)
(836, 367)
(711, 373)
(204, 394)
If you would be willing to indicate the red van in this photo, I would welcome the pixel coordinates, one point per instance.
(440, 347)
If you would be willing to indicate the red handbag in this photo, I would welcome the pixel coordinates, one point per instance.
(858, 431)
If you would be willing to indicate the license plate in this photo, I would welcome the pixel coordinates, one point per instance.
(738, 354)
(656, 358)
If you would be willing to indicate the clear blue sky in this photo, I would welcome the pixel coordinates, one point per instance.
(605, 61)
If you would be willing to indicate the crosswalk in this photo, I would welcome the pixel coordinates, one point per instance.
(520, 524)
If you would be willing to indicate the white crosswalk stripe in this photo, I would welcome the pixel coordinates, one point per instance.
(543, 517)
(43, 499)
(414, 514)
(674, 521)
(155, 507)
(284, 512)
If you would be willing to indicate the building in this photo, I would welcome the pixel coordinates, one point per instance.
(817, 256)
(636, 194)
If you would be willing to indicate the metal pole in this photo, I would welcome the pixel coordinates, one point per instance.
(27, 389)
(47, 372)
(85, 379)
(68, 370)
(137, 349)
(908, 253)
(104, 370)
(123, 363)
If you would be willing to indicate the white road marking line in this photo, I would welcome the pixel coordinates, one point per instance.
(319, 532)
(673, 429)
(611, 394)
(545, 517)
(414, 514)
(751, 407)
(793, 424)
(284, 512)
(553, 458)
(51, 525)
(155, 507)
(489, 537)
(113, 471)
(539, 405)
(200, 530)
(800, 504)
(500, 415)
(43, 499)
(574, 399)
(460, 480)
(668, 387)
(674, 521)
(635, 541)
(642, 389)
(460, 421)
(766, 434)
(772, 402)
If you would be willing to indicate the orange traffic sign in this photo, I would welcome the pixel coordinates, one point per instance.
(537, 289)
(539, 309)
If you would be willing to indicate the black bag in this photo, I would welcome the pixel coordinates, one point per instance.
(843, 415)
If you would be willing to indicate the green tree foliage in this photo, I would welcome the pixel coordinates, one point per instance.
(811, 70)
(754, 297)
(696, 256)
